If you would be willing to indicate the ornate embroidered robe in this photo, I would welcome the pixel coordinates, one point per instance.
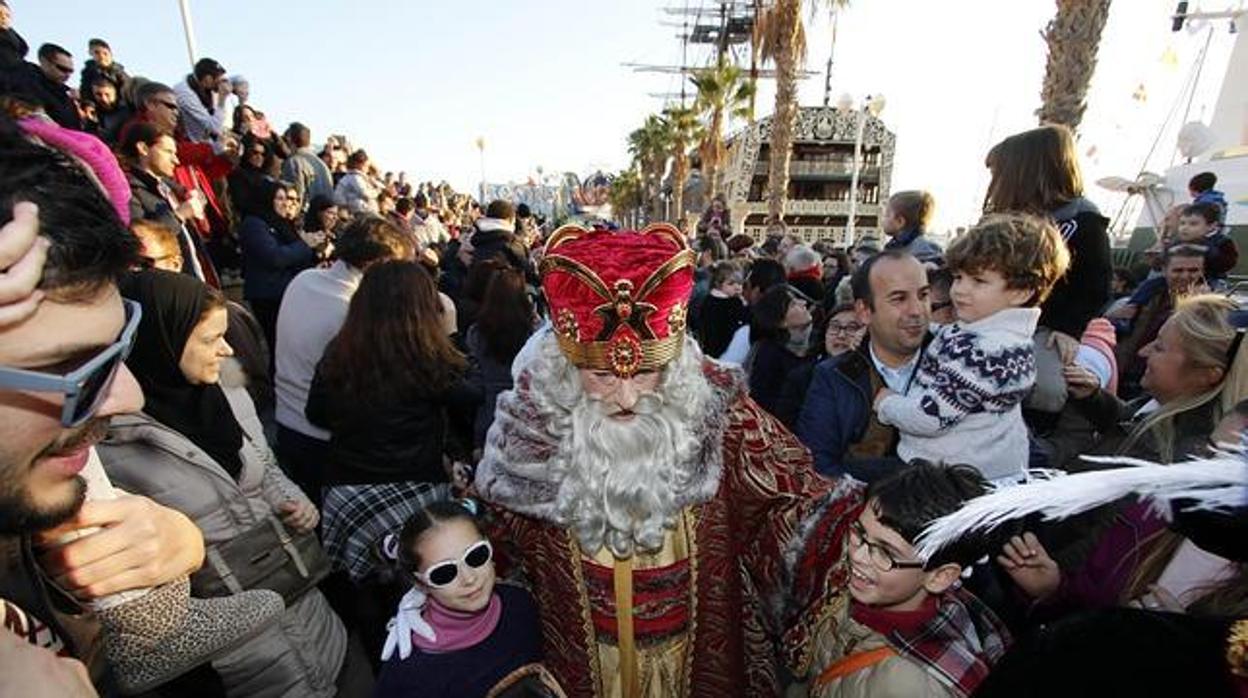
(756, 561)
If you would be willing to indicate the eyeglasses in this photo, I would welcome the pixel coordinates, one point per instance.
(847, 328)
(443, 574)
(881, 557)
(86, 386)
(67, 69)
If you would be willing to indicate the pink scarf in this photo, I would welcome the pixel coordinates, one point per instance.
(457, 630)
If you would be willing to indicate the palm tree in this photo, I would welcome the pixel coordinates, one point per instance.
(724, 92)
(650, 147)
(1073, 37)
(628, 195)
(683, 130)
(780, 37)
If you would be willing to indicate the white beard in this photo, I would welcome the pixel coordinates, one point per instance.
(622, 477)
(553, 453)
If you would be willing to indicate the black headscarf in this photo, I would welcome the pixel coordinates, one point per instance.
(285, 229)
(172, 305)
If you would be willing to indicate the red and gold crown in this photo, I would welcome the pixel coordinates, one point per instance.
(618, 300)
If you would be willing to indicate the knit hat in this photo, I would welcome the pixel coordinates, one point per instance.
(1097, 347)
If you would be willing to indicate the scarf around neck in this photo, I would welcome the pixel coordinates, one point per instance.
(458, 630)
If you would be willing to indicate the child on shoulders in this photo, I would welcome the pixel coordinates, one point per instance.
(905, 221)
(909, 629)
(965, 402)
(456, 633)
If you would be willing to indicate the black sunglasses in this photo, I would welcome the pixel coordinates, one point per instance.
(443, 574)
(85, 387)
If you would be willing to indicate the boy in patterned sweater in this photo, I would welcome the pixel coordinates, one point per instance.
(965, 403)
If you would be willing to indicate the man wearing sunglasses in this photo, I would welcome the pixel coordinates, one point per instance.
(45, 85)
(61, 378)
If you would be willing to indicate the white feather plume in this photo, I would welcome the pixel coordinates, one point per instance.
(1218, 482)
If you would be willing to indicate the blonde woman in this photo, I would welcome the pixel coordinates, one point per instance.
(1195, 369)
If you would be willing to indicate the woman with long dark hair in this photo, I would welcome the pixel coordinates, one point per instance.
(273, 253)
(504, 322)
(1037, 172)
(392, 389)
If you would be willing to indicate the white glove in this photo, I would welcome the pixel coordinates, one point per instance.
(407, 620)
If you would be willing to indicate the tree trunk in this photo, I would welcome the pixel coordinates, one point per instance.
(680, 173)
(784, 116)
(654, 191)
(1073, 37)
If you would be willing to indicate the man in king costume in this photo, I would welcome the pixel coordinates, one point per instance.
(675, 535)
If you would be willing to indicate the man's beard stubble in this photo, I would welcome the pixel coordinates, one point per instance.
(19, 513)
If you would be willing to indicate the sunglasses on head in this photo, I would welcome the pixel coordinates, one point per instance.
(443, 574)
(85, 387)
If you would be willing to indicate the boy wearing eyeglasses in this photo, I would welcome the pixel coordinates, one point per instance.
(909, 629)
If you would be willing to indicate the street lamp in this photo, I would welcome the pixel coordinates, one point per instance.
(480, 143)
(873, 106)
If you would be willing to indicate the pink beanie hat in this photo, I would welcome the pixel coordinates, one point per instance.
(1099, 336)
(98, 160)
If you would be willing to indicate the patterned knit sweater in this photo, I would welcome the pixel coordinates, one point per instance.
(964, 405)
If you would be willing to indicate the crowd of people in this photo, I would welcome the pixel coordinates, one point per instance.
(274, 423)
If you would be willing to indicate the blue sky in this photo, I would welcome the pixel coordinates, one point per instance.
(416, 82)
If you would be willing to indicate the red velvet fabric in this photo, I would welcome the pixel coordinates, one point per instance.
(617, 256)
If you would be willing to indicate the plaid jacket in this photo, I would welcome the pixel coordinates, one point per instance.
(960, 644)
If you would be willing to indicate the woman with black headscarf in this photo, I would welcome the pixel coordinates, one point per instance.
(199, 449)
(273, 253)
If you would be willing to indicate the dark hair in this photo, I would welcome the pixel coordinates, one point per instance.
(1202, 182)
(503, 210)
(90, 248)
(860, 282)
(505, 319)
(1034, 171)
(940, 279)
(421, 200)
(98, 43)
(49, 51)
(1210, 212)
(1186, 250)
(909, 499)
(768, 313)
(139, 132)
(371, 239)
(357, 159)
(298, 134)
(721, 272)
(1026, 250)
(317, 206)
(103, 79)
(207, 67)
(147, 91)
(522, 211)
(431, 515)
(914, 207)
(764, 274)
(404, 205)
(392, 346)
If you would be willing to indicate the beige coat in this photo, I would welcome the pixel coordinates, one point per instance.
(300, 656)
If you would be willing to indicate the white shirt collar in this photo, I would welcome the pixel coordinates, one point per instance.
(897, 379)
